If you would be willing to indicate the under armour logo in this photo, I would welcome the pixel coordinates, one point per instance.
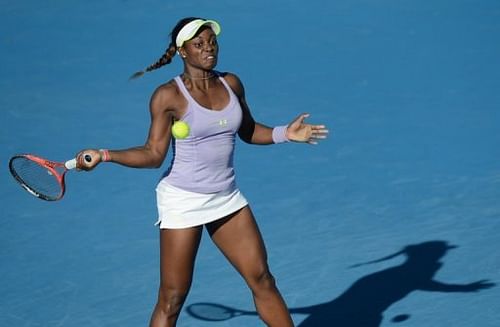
(222, 122)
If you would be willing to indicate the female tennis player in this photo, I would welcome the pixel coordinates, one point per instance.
(199, 187)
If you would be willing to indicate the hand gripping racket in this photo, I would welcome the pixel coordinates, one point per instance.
(40, 177)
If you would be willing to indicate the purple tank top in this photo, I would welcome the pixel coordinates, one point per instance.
(203, 162)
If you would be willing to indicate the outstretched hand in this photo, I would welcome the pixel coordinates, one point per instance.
(298, 131)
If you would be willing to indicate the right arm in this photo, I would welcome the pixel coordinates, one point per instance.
(153, 152)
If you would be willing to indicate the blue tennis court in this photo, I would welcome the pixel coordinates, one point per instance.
(392, 221)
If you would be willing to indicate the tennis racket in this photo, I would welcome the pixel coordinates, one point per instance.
(215, 312)
(41, 177)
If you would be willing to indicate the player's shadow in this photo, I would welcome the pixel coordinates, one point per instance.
(364, 302)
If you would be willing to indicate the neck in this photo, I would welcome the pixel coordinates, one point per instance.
(210, 75)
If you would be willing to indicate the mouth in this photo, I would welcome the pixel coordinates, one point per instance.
(210, 58)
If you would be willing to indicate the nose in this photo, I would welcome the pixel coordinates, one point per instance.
(209, 47)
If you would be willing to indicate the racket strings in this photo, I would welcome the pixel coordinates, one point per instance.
(36, 177)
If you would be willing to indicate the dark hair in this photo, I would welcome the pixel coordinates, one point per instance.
(166, 58)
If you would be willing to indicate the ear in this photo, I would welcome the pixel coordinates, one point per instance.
(181, 52)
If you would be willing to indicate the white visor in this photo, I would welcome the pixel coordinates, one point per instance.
(189, 30)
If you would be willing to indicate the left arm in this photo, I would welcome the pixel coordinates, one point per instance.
(256, 133)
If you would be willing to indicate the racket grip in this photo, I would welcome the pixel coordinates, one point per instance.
(71, 164)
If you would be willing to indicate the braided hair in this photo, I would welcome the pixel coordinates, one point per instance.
(169, 54)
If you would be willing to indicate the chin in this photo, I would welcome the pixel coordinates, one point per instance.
(211, 65)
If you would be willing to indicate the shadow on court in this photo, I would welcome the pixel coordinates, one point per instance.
(365, 301)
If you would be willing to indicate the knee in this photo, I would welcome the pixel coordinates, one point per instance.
(262, 281)
(170, 300)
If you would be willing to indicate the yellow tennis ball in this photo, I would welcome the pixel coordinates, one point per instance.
(180, 130)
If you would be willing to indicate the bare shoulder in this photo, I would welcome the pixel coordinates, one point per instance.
(165, 92)
(166, 97)
(235, 83)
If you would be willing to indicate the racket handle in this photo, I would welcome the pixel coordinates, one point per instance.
(71, 164)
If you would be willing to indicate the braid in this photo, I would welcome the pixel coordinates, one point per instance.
(164, 60)
(170, 52)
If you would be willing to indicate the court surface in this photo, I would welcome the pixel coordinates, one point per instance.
(408, 180)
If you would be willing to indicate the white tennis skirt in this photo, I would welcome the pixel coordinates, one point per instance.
(179, 208)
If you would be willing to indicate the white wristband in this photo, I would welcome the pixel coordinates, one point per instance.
(279, 134)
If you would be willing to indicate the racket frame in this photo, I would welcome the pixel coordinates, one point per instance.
(51, 166)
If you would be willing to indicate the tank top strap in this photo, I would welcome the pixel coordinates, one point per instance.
(226, 85)
(183, 88)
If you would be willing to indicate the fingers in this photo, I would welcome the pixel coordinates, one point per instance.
(87, 159)
(318, 127)
(318, 132)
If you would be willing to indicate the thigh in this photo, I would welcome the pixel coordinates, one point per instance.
(178, 248)
(239, 239)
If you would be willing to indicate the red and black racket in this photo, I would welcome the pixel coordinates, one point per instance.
(40, 177)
